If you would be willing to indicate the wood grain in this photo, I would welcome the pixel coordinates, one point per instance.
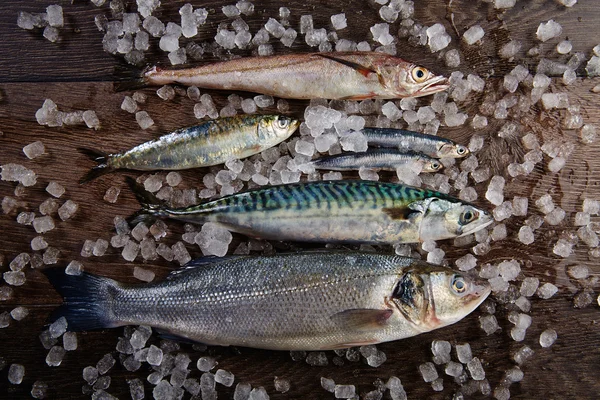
(78, 74)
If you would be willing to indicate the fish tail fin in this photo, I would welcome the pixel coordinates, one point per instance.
(130, 77)
(100, 169)
(152, 207)
(85, 299)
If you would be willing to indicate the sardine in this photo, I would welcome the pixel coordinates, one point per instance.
(343, 75)
(330, 211)
(210, 143)
(433, 146)
(305, 301)
(385, 159)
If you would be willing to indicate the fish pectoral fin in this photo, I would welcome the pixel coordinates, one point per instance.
(172, 336)
(362, 319)
(365, 71)
(398, 212)
(346, 345)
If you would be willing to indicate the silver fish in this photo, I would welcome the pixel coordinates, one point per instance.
(338, 75)
(305, 301)
(385, 159)
(331, 211)
(210, 143)
(433, 146)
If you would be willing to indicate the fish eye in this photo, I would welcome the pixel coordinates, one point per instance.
(420, 74)
(282, 123)
(458, 284)
(435, 165)
(461, 150)
(468, 216)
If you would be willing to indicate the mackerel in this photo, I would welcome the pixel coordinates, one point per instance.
(330, 211)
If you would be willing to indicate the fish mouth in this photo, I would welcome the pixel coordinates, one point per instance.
(437, 84)
(482, 224)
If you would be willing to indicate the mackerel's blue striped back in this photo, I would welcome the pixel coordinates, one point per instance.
(302, 196)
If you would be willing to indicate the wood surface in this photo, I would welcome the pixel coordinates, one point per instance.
(77, 74)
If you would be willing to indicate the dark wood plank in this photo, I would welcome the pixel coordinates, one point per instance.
(35, 69)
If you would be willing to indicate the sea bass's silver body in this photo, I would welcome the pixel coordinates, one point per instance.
(210, 143)
(305, 301)
(335, 211)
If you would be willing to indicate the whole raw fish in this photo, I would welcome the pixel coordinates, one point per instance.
(331, 211)
(305, 301)
(433, 146)
(342, 75)
(385, 159)
(210, 143)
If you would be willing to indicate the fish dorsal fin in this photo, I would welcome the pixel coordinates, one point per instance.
(365, 71)
(200, 263)
(362, 318)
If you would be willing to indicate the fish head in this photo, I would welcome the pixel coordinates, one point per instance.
(453, 150)
(449, 218)
(272, 129)
(432, 165)
(432, 297)
(409, 80)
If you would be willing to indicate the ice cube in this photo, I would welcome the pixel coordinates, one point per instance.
(522, 355)
(466, 262)
(510, 49)
(548, 30)
(344, 391)
(143, 119)
(546, 291)
(563, 248)
(317, 359)
(339, 21)
(473, 34)
(34, 150)
(178, 57)
(381, 33)
(502, 4)
(70, 341)
(476, 369)
(275, 28)
(143, 274)
(428, 372)
(489, 324)
(224, 377)
(54, 16)
(281, 385)
(55, 356)
(16, 372)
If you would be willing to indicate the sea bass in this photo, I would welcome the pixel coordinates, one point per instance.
(338, 75)
(385, 159)
(330, 211)
(304, 301)
(210, 143)
(433, 146)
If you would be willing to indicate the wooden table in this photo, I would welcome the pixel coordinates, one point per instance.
(76, 73)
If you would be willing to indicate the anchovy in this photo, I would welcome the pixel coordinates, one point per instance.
(305, 301)
(433, 146)
(210, 143)
(385, 159)
(330, 211)
(341, 75)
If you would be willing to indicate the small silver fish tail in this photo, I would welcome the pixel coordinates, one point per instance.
(152, 208)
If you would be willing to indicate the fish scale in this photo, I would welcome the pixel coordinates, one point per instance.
(331, 211)
(296, 301)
